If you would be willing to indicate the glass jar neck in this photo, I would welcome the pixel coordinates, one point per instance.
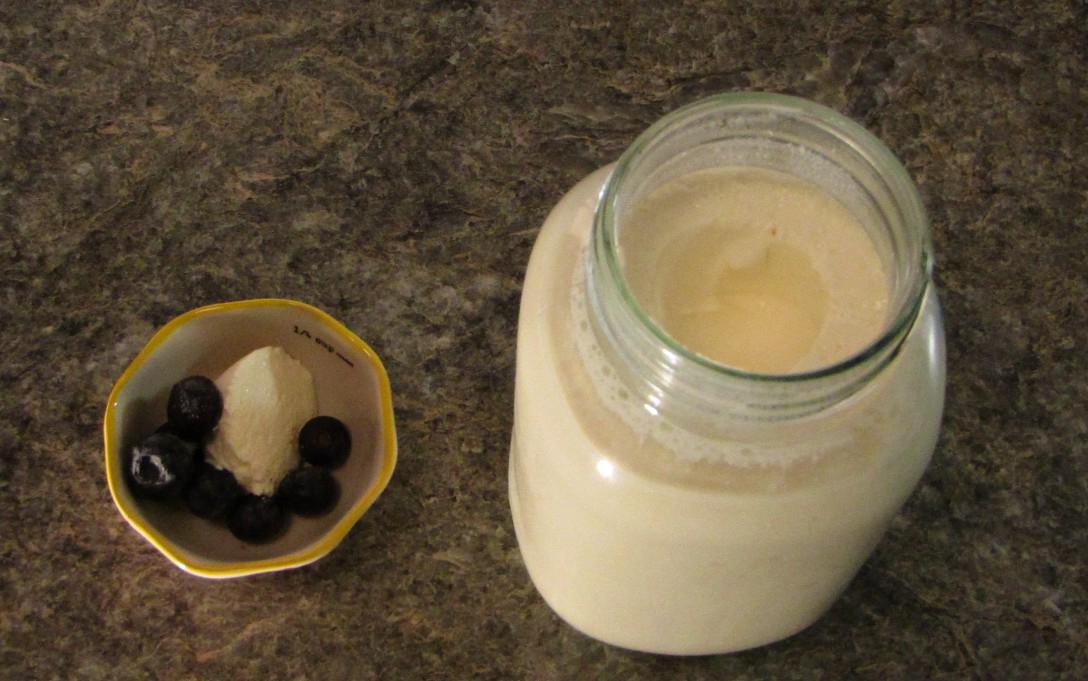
(773, 132)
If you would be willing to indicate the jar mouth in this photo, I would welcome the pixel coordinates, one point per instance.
(860, 142)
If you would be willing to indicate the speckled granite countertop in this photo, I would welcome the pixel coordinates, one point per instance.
(391, 163)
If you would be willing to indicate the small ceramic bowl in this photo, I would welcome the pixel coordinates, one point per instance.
(351, 385)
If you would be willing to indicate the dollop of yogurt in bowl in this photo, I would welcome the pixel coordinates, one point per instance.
(267, 397)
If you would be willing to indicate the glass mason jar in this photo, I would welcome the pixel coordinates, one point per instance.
(667, 503)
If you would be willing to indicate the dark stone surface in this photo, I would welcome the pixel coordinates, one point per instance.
(390, 163)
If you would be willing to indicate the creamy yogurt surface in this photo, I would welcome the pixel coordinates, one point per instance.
(267, 397)
(755, 269)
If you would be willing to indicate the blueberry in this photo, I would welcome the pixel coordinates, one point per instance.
(213, 492)
(197, 445)
(257, 519)
(308, 491)
(161, 465)
(170, 429)
(194, 407)
(324, 441)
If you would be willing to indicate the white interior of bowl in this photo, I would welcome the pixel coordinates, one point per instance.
(347, 388)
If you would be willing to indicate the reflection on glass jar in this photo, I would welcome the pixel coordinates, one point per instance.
(730, 376)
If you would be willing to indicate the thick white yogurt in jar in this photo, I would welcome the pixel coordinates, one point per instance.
(755, 269)
(726, 392)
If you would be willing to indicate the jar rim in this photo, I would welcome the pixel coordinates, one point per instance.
(860, 140)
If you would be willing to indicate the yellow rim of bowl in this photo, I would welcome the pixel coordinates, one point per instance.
(298, 558)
